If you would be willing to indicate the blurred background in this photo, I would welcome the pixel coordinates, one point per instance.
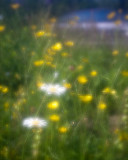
(59, 7)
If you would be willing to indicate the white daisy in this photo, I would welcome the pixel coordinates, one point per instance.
(54, 89)
(34, 122)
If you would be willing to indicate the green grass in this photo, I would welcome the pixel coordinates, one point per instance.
(91, 132)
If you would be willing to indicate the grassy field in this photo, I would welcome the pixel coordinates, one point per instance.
(61, 99)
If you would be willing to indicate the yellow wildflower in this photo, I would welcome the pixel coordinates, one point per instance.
(64, 54)
(126, 54)
(106, 90)
(57, 46)
(48, 58)
(4, 152)
(48, 63)
(51, 52)
(109, 90)
(102, 106)
(53, 65)
(80, 67)
(32, 92)
(5, 89)
(69, 43)
(2, 28)
(123, 136)
(113, 92)
(33, 53)
(82, 79)
(54, 118)
(86, 98)
(111, 15)
(6, 105)
(38, 63)
(39, 84)
(67, 85)
(93, 73)
(6, 125)
(125, 73)
(115, 52)
(53, 105)
(24, 100)
(116, 131)
(39, 33)
(63, 129)
(15, 6)
(14, 115)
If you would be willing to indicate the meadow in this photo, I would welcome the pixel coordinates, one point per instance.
(61, 96)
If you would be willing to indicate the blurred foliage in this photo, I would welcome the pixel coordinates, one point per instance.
(58, 7)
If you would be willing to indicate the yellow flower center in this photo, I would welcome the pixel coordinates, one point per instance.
(35, 122)
(53, 89)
